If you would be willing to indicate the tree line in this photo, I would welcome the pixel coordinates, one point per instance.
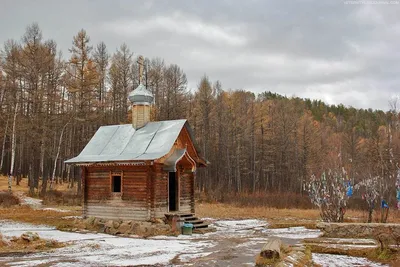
(51, 104)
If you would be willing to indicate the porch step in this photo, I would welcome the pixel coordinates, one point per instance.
(195, 221)
(190, 218)
(187, 215)
(201, 225)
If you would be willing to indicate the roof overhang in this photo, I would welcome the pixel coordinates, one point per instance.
(121, 163)
(179, 154)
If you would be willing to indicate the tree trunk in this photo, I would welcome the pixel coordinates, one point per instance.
(13, 141)
(53, 176)
(370, 210)
(4, 145)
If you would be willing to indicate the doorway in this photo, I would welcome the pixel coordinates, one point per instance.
(173, 194)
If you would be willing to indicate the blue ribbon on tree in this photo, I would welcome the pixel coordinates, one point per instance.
(349, 192)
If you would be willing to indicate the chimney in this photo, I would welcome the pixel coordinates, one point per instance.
(141, 100)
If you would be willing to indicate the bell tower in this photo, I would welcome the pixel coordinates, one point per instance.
(141, 100)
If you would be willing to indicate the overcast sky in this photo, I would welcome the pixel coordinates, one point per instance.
(337, 51)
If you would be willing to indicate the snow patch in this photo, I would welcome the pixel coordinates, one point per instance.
(54, 209)
(239, 224)
(30, 201)
(293, 233)
(331, 260)
(100, 249)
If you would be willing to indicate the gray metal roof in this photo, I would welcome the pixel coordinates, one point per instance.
(123, 143)
(170, 162)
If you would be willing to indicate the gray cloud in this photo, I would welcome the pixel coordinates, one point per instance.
(330, 50)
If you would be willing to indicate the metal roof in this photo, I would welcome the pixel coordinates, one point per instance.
(141, 95)
(123, 143)
(170, 162)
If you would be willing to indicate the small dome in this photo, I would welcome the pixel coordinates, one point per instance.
(141, 95)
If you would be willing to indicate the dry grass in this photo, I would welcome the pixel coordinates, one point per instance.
(29, 215)
(65, 198)
(23, 185)
(7, 199)
(19, 245)
(286, 200)
(223, 211)
(280, 217)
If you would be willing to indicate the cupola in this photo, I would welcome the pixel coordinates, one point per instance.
(141, 100)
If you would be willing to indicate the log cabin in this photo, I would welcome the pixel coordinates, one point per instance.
(139, 171)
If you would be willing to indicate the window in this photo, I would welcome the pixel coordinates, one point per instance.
(116, 184)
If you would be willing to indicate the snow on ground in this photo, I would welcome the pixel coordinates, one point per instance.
(99, 249)
(235, 243)
(36, 203)
(293, 232)
(237, 225)
(55, 209)
(33, 202)
(330, 260)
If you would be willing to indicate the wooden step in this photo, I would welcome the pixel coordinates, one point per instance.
(186, 215)
(189, 219)
(179, 215)
(195, 222)
(202, 225)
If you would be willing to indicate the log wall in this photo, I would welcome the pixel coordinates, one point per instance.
(160, 190)
(186, 197)
(133, 203)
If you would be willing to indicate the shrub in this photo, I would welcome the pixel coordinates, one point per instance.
(329, 193)
(8, 199)
(68, 198)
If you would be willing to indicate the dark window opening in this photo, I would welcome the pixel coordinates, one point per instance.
(116, 184)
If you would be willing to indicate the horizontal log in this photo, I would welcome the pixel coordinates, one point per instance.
(110, 202)
(113, 208)
(185, 209)
(271, 250)
(98, 186)
(135, 181)
(133, 217)
(137, 176)
(135, 186)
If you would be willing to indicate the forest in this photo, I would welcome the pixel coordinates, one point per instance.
(52, 102)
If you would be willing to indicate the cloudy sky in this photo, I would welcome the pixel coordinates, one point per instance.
(337, 51)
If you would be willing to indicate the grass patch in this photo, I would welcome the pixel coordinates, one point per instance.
(23, 185)
(223, 211)
(279, 218)
(271, 199)
(29, 215)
